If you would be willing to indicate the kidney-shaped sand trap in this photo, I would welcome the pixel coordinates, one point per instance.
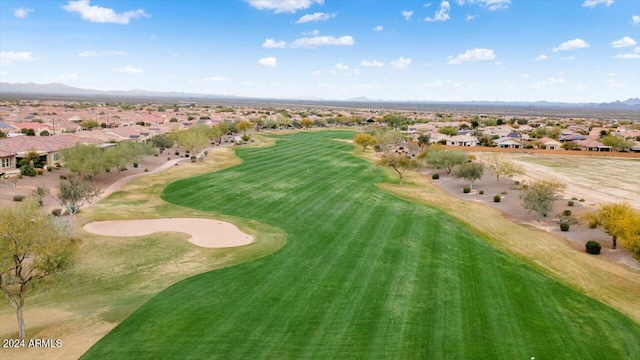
(204, 232)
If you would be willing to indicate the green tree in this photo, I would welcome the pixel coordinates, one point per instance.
(541, 195)
(501, 166)
(194, 139)
(244, 125)
(615, 142)
(73, 193)
(554, 133)
(470, 171)
(84, 159)
(423, 140)
(400, 163)
(448, 130)
(395, 121)
(446, 159)
(364, 140)
(40, 193)
(162, 141)
(32, 247)
(89, 124)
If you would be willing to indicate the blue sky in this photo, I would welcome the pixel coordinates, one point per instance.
(502, 50)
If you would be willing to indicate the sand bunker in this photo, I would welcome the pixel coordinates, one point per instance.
(204, 232)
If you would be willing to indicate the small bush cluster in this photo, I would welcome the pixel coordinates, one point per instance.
(39, 171)
(497, 198)
(564, 226)
(18, 198)
(593, 247)
(49, 168)
(570, 203)
(481, 192)
(435, 176)
(566, 213)
(466, 189)
(27, 170)
(56, 212)
(581, 200)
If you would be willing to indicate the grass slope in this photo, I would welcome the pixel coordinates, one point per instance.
(364, 274)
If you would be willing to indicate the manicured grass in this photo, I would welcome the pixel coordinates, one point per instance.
(364, 274)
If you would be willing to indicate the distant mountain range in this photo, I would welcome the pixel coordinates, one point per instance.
(57, 89)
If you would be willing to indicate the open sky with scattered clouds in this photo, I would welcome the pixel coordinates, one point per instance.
(505, 50)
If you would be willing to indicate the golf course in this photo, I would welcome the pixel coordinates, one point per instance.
(363, 274)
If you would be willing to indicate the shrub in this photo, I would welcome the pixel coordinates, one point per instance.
(56, 212)
(564, 226)
(497, 198)
(107, 170)
(435, 176)
(377, 148)
(146, 169)
(581, 200)
(18, 198)
(466, 189)
(135, 164)
(40, 171)
(206, 152)
(504, 193)
(49, 168)
(193, 159)
(178, 153)
(156, 155)
(27, 170)
(481, 192)
(570, 203)
(63, 177)
(566, 213)
(593, 247)
(123, 168)
(245, 137)
(574, 198)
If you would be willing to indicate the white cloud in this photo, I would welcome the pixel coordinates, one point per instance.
(22, 13)
(541, 57)
(312, 42)
(317, 72)
(612, 74)
(568, 58)
(593, 3)
(429, 85)
(572, 45)
(525, 75)
(624, 42)
(128, 70)
(315, 17)
(268, 62)
(407, 14)
(94, 53)
(9, 57)
(612, 84)
(373, 63)
(635, 19)
(214, 79)
(401, 63)
(469, 17)
(283, 6)
(489, 4)
(356, 72)
(311, 33)
(627, 56)
(542, 85)
(176, 55)
(341, 66)
(378, 28)
(98, 14)
(68, 77)
(359, 87)
(272, 44)
(426, 5)
(442, 14)
(477, 54)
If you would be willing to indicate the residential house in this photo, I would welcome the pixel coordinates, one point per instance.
(592, 145)
(548, 143)
(462, 140)
(508, 143)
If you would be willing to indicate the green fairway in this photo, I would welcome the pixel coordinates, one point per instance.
(363, 275)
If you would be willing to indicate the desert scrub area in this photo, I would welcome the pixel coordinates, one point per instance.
(363, 273)
(595, 179)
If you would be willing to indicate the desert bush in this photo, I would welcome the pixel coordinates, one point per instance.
(570, 203)
(497, 198)
(135, 164)
(566, 213)
(193, 159)
(581, 200)
(574, 198)
(466, 189)
(27, 170)
(564, 226)
(49, 168)
(435, 176)
(39, 171)
(178, 153)
(63, 177)
(123, 168)
(481, 192)
(593, 247)
(56, 212)
(18, 198)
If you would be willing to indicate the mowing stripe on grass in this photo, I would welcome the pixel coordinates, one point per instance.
(364, 274)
